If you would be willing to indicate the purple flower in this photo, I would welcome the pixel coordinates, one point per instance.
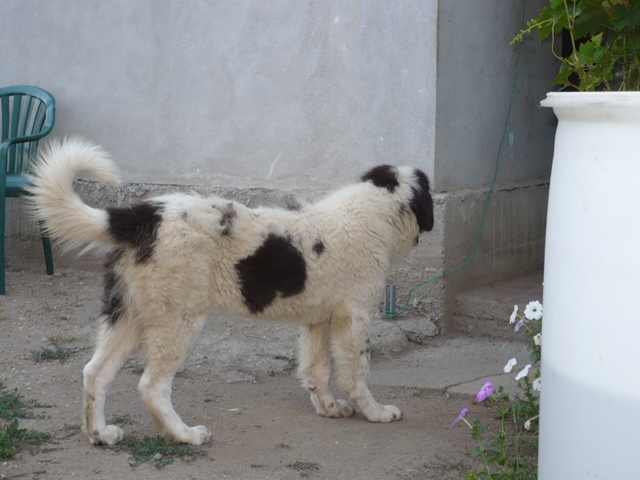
(460, 417)
(485, 392)
(519, 325)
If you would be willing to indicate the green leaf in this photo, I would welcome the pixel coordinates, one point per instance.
(591, 18)
(624, 17)
(563, 76)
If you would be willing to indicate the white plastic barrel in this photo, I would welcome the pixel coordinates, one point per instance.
(590, 396)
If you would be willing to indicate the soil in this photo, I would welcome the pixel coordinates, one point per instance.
(238, 381)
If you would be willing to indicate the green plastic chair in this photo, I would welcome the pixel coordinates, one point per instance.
(28, 114)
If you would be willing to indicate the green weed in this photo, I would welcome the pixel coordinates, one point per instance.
(58, 352)
(304, 469)
(13, 405)
(156, 450)
(13, 438)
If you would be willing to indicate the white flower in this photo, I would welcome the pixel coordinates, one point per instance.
(514, 315)
(510, 364)
(537, 339)
(533, 311)
(523, 373)
(537, 383)
(527, 425)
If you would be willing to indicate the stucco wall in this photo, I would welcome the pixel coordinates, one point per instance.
(476, 70)
(300, 94)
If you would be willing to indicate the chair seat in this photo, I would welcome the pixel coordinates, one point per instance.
(16, 184)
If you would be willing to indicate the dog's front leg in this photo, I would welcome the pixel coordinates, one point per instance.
(314, 369)
(350, 347)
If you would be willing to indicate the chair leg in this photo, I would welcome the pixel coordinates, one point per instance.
(3, 279)
(48, 254)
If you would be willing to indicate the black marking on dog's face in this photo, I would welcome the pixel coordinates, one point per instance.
(383, 176)
(318, 247)
(228, 216)
(276, 267)
(422, 203)
(136, 227)
(112, 301)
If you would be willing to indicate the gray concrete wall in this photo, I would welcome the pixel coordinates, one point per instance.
(476, 70)
(284, 94)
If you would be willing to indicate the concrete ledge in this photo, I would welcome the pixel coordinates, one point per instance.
(485, 311)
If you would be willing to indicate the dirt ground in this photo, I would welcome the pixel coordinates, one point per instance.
(238, 381)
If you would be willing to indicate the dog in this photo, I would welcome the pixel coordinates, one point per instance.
(175, 258)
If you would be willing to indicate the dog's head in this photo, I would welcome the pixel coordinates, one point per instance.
(410, 185)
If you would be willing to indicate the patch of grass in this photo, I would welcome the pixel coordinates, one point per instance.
(47, 355)
(57, 353)
(13, 405)
(13, 438)
(420, 393)
(59, 339)
(304, 469)
(156, 450)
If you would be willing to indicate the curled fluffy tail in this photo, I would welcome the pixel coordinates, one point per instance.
(66, 217)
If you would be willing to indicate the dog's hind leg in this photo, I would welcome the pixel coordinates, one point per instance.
(116, 343)
(349, 344)
(167, 348)
(314, 369)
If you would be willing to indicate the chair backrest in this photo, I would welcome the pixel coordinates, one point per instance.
(27, 115)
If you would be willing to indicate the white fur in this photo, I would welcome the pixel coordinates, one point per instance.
(365, 229)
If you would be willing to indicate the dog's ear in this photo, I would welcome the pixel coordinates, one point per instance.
(422, 203)
(382, 176)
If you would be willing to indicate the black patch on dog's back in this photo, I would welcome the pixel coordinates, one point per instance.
(276, 267)
(318, 247)
(112, 301)
(136, 227)
(382, 176)
(422, 203)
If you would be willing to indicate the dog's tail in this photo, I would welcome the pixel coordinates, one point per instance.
(64, 215)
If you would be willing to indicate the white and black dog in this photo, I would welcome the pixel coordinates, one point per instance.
(177, 257)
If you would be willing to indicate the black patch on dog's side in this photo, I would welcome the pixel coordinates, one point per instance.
(382, 176)
(276, 267)
(422, 203)
(112, 301)
(318, 247)
(136, 227)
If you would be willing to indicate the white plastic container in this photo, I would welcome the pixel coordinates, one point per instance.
(590, 397)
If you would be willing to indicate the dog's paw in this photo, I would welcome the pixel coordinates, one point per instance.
(109, 436)
(384, 414)
(337, 409)
(197, 435)
(344, 408)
